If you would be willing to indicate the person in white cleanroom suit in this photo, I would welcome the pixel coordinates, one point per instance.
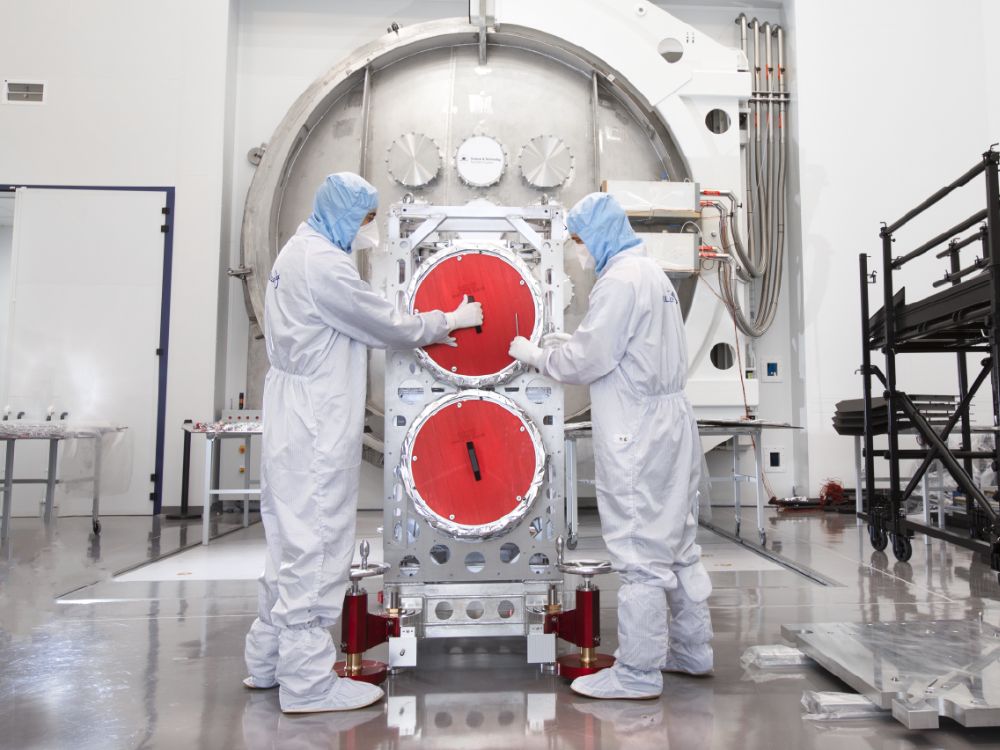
(630, 348)
(319, 320)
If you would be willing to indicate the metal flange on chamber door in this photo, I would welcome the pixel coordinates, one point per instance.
(473, 465)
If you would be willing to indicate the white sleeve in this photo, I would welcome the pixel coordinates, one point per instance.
(348, 304)
(599, 343)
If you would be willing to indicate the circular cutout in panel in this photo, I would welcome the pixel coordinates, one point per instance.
(511, 302)
(475, 562)
(723, 356)
(717, 121)
(538, 563)
(409, 566)
(440, 554)
(444, 610)
(475, 609)
(506, 610)
(671, 50)
(413, 160)
(509, 552)
(472, 463)
(546, 162)
(480, 161)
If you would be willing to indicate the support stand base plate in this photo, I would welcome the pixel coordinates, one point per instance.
(372, 671)
(571, 666)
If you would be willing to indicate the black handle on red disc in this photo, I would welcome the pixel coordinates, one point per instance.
(479, 329)
(469, 446)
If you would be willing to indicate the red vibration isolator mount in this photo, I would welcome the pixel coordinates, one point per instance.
(361, 629)
(581, 625)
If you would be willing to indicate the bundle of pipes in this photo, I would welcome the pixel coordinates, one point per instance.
(761, 260)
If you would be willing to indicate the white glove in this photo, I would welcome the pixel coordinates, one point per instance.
(524, 351)
(466, 315)
(448, 341)
(555, 339)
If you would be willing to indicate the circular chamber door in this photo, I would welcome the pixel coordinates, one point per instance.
(473, 463)
(511, 302)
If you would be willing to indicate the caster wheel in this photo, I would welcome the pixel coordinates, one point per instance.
(737, 529)
(572, 541)
(879, 539)
(763, 539)
(902, 548)
(96, 525)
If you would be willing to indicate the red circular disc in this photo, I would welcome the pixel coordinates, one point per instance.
(372, 671)
(508, 310)
(571, 667)
(473, 461)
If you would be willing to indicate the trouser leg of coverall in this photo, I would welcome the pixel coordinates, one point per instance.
(261, 653)
(642, 623)
(690, 628)
(317, 538)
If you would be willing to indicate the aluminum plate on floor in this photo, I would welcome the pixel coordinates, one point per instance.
(919, 670)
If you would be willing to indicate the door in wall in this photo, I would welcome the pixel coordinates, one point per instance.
(83, 331)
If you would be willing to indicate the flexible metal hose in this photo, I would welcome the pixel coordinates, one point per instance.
(761, 261)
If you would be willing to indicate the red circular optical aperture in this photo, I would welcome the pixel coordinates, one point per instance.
(508, 311)
(462, 440)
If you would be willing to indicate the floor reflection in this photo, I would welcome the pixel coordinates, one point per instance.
(555, 717)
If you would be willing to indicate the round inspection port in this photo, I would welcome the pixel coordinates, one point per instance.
(505, 609)
(475, 610)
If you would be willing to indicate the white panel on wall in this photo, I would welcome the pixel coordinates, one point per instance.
(84, 329)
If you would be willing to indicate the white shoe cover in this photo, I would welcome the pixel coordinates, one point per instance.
(345, 695)
(620, 682)
(251, 682)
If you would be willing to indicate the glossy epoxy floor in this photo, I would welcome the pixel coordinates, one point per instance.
(146, 664)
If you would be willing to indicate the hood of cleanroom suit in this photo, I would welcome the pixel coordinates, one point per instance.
(603, 226)
(341, 204)
(320, 318)
(631, 350)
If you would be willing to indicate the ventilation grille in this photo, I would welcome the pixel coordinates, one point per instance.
(20, 92)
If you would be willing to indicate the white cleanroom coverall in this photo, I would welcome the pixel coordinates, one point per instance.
(631, 349)
(319, 319)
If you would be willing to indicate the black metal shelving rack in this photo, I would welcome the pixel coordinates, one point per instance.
(960, 320)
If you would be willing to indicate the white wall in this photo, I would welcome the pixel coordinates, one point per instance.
(894, 100)
(6, 241)
(135, 96)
